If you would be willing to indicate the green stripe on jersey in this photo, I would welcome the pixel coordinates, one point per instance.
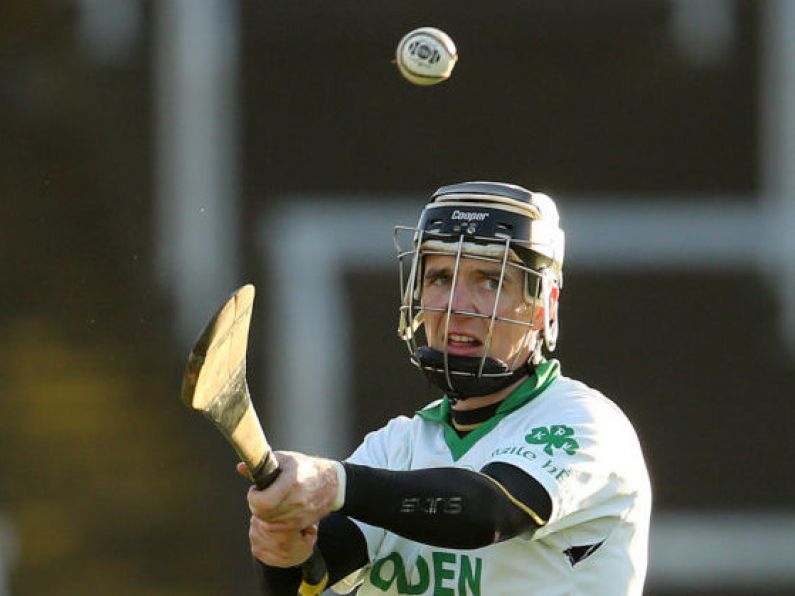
(544, 374)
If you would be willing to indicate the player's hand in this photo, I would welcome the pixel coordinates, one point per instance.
(303, 493)
(243, 470)
(280, 548)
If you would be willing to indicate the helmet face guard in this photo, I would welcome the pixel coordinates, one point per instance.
(507, 227)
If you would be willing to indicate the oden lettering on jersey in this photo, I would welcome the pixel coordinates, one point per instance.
(448, 574)
(469, 215)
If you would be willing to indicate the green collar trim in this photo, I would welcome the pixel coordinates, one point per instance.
(542, 377)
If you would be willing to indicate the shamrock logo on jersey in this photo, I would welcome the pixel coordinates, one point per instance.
(558, 436)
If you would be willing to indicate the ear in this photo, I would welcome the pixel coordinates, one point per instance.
(554, 297)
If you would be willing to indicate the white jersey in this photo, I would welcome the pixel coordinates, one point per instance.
(571, 439)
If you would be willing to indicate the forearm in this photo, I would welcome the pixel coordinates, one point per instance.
(277, 581)
(445, 507)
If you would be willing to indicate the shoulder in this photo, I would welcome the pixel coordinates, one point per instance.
(594, 418)
(574, 398)
(391, 445)
(394, 429)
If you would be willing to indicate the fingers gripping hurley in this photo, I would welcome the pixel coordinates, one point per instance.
(215, 384)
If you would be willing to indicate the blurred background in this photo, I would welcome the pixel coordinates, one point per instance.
(154, 155)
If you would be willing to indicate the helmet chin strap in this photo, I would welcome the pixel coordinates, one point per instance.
(464, 376)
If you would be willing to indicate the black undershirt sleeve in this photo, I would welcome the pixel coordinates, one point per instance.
(343, 546)
(344, 550)
(522, 487)
(448, 507)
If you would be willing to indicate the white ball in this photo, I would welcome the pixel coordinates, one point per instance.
(426, 56)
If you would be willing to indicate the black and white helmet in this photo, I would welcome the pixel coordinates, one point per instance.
(494, 222)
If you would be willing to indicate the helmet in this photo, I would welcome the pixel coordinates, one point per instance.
(494, 222)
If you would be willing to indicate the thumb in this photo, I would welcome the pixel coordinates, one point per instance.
(243, 470)
(309, 535)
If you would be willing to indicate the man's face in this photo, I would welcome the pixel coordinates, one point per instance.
(475, 292)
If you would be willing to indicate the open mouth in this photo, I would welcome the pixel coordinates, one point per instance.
(459, 344)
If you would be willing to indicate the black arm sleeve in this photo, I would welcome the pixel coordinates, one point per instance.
(277, 581)
(343, 546)
(447, 507)
(344, 550)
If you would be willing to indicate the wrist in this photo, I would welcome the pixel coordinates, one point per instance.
(339, 499)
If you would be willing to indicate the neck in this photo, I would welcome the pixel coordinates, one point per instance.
(473, 403)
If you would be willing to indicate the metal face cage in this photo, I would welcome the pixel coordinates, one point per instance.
(506, 226)
(499, 251)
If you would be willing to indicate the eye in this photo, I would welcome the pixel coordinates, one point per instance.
(437, 278)
(492, 283)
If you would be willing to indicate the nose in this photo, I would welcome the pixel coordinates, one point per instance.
(463, 298)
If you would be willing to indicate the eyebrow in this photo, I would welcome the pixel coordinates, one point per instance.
(491, 272)
(495, 271)
(434, 271)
